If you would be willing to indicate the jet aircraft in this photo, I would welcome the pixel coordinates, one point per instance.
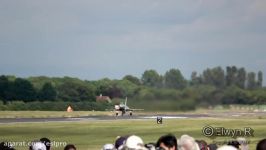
(123, 108)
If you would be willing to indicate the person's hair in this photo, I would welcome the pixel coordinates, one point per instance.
(234, 144)
(168, 140)
(261, 145)
(187, 141)
(202, 144)
(69, 146)
(150, 145)
(4, 146)
(46, 142)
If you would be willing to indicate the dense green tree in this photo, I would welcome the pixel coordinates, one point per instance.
(251, 81)
(115, 91)
(218, 77)
(38, 82)
(257, 96)
(214, 77)
(207, 77)
(212, 87)
(128, 89)
(174, 79)
(47, 92)
(195, 80)
(260, 79)
(241, 78)
(146, 93)
(231, 75)
(72, 90)
(85, 93)
(151, 78)
(235, 95)
(11, 78)
(22, 89)
(116, 88)
(203, 94)
(103, 86)
(132, 79)
(3, 87)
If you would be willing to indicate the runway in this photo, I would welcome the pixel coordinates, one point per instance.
(96, 118)
(134, 117)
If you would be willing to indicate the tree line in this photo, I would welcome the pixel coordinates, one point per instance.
(213, 86)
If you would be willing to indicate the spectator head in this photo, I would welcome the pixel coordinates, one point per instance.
(234, 144)
(167, 142)
(37, 145)
(261, 145)
(202, 144)
(120, 141)
(70, 147)
(243, 143)
(108, 147)
(46, 142)
(187, 142)
(151, 146)
(212, 147)
(6, 146)
(134, 142)
(227, 147)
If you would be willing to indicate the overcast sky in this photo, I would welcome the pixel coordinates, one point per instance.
(93, 39)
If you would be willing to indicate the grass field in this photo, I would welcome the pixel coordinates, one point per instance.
(50, 114)
(91, 135)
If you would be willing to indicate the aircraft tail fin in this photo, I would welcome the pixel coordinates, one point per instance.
(126, 101)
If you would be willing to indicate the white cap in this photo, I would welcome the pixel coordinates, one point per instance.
(108, 147)
(38, 146)
(134, 142)
(227, 147)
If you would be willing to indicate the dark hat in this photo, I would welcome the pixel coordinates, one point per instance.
(234, 144)
(46, 142)
(120, 141)
(212, 147)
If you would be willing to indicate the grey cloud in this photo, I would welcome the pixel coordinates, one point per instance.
(117, 37)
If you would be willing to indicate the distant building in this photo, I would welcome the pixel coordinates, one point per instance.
(102, 98)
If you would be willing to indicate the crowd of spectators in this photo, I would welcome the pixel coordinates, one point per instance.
(185, 142)
(165, 142)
